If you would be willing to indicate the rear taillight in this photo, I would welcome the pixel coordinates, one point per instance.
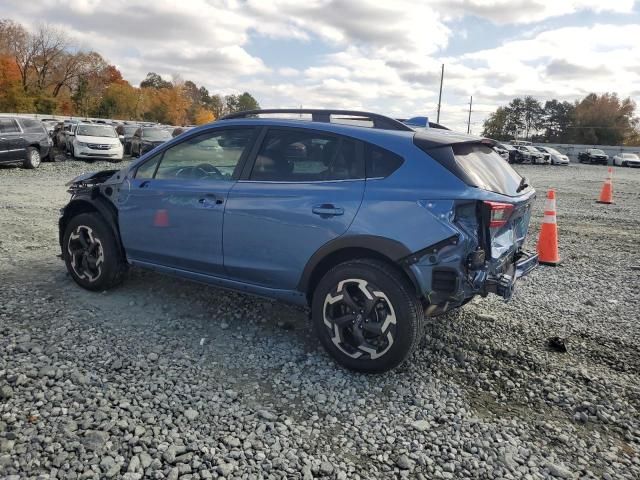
(499, 213)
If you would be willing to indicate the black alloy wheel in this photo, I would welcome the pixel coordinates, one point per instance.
(92, 253)
(367, 315)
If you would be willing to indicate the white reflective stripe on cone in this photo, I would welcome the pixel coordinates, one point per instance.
(549, 218)
(550, 205)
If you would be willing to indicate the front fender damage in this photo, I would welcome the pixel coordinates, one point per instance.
(93, 192)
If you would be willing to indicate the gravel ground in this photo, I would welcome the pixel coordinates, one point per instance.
(162, 378)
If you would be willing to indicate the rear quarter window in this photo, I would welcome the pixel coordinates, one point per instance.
(380, 163)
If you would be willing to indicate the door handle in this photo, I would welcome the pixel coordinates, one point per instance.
(145, 184)
(210, 200)
(327, 210)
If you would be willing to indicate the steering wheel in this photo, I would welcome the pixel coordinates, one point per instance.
(207, 169)
(199, 171)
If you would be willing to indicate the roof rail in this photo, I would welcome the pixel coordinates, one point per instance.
(321, 115)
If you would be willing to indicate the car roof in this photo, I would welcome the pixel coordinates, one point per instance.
(430, 137)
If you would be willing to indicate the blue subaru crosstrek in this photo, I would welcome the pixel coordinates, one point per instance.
(370, 223)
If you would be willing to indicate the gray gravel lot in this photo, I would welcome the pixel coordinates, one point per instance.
(161, 378)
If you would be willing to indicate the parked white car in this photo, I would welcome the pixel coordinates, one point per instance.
(93, 141)
(555, 157)
(626, 160)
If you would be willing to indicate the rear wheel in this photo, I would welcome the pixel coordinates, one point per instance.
(33, 159)
(367, 315)
(91, 253)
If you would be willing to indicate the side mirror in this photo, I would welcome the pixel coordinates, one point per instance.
(71, 134)
(121, 137)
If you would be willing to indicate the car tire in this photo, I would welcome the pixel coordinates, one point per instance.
(92, 253)
(380, 325)
(33, 159)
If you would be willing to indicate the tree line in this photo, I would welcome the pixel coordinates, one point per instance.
(44, 72)
(595, 120)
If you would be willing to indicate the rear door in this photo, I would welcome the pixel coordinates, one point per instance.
(12, 142)
(173, 212)
(302, 190)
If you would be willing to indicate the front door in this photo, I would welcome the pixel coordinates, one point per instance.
(172, 213)
(304, 190)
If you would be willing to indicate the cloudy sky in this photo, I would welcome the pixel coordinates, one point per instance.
(380, 55)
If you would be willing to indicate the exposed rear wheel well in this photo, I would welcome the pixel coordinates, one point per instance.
(350, 253)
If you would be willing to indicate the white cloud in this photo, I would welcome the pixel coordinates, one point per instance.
(383, 56)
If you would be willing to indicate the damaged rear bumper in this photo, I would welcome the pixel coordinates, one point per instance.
(504, 284)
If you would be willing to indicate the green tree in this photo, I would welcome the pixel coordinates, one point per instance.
(557, 121)
(532, 115)
(247, 102)
(495, 126)
(154, 80)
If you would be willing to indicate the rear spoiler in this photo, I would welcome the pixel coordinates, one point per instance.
(421, 122)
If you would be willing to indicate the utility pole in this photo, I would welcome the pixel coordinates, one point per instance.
(469, 121)
(440, 96)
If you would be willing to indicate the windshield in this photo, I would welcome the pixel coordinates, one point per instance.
(155, 134)
(631, 156)
(487, 169)
(506, 146)
(597, 152)
(95, 131)
(130, 130)
(552, 150)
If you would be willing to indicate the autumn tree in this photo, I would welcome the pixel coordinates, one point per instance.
(42, 71)
(12, 96)
(604, 119)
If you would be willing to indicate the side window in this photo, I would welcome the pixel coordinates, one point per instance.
(32, 126)
(148, 168)
(8, 125)
(307, 156)
(380, 162)
(208, 156)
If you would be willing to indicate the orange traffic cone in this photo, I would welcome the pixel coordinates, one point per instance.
(606, 194)
(548, 239)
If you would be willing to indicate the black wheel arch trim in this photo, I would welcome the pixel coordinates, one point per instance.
(391, 249)
(86, 202)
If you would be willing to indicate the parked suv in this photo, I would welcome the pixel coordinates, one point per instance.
(372, 228)
(593, 155)
(146, 139)
(23, 140)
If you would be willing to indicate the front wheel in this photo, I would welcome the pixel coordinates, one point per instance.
(33, 159)
(367, 315)
(91, 253)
